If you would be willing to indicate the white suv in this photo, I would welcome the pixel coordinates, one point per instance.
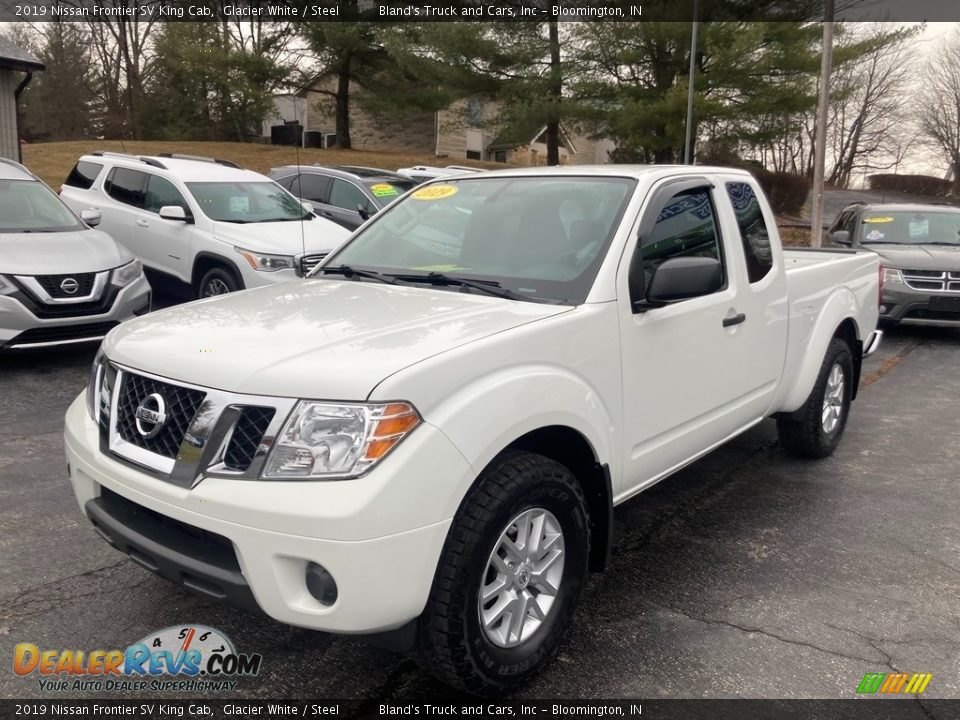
(204, 222)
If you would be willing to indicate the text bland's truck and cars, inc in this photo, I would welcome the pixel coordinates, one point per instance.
(427, 438)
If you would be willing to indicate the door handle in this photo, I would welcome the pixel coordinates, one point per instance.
(143, 223)
(735, 320)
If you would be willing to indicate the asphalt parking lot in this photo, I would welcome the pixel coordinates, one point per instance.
(749, 574)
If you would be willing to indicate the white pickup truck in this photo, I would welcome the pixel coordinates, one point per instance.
(425, 442)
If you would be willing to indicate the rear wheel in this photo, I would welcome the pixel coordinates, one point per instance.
(815, 430)
(218, 281)
(509, 576)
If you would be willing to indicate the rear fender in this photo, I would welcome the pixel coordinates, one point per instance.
(840, 306)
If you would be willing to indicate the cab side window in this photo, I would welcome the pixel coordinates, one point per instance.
(753, 230)
(685, 227)
(162, 192)
(126, 186)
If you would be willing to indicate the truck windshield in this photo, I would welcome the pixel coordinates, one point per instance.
(912, 228)
(539, 237)
(246, 202)
(27, 206)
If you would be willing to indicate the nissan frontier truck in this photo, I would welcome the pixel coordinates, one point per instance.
(424, 441)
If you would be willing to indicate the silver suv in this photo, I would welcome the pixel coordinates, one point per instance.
(61, 281)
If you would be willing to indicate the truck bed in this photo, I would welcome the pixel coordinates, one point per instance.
(844, 280)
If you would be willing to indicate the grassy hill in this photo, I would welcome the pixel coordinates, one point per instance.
(53, 161)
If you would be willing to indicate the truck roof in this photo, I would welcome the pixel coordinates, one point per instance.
(611, 170)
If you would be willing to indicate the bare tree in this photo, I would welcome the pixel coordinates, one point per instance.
(939, 103)
(870, 101)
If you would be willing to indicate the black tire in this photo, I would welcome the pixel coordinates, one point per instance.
(451, 641)
(219, 278)
(803, 433)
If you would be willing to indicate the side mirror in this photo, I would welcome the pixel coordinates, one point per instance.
(307, 205)
(91, 217)
(173, 212)
(840, 237)
(680, 278)
(363, 212)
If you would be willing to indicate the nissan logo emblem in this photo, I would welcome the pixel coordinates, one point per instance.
(69, 286)
(150, 416)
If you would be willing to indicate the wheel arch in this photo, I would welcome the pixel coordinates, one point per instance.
(573, 450)
(205, 261)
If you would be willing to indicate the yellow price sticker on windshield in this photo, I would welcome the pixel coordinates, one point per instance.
(879, 219)
(434, 192)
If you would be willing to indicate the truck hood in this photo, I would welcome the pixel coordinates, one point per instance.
(918, 257)
(284, 238)
(324, 339)
(60, 253)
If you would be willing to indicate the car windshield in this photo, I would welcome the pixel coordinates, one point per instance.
(27, 206)
(246, 202)
(902, 227)
(386, 191)
(539, 237)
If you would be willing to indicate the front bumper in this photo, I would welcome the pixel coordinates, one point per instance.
(901, 304)
(377, 535)
(21, 328)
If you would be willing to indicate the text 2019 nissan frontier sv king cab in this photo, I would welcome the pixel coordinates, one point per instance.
(427, 439)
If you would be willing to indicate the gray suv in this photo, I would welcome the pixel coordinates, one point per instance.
(346, 194)
(919, 249)
(61, 281)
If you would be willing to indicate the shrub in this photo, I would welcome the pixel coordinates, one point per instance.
(911, 184)
(786, 192)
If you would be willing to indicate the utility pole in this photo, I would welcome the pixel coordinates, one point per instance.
(688, 137)
(820, 150)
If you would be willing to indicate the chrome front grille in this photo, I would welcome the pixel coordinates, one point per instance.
(932, 280)
(54, 284)
(309, 262)
(180, 408)
(65, 289)
(246, 437)
(204, 432)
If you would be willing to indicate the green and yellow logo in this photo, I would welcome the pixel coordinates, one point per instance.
(894, 683)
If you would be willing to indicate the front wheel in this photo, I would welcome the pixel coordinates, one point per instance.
(217, 281)
(814, 431)
(509, 576)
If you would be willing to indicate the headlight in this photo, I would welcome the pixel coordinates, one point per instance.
(265, 262)
(334, 440)
(6, 287)
(892, 276)
(126, 274)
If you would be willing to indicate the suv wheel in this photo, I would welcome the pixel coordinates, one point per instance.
(218, 281)
(509, 576)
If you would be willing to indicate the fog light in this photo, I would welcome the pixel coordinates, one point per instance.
(321, 584)
(883, 309)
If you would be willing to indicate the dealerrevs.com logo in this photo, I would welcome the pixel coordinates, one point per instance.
(180, 658)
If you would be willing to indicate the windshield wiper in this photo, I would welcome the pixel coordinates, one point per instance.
(490, 287)
(349, 272)
(945, 243)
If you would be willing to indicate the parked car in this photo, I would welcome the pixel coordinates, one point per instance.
(430, 448)
(61, 281)
(424, 173)
(919, 250)
(347, 194)
(205, 223)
